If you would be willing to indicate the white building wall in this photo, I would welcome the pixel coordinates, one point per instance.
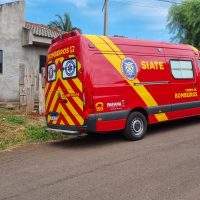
(11, 27)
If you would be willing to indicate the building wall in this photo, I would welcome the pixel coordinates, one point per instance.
(11, 27)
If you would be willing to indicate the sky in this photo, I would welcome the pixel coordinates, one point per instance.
(141, 19)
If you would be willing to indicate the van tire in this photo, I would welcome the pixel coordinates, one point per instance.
(136, 126)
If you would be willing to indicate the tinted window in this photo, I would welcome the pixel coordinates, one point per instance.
(182, 69)
(51, 70)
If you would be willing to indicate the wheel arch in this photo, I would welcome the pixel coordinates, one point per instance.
(141, 110)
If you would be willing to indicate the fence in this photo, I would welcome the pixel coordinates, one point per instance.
(27, 90)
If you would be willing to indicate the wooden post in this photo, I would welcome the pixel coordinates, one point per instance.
(32, 87)
(26, 88)
(41, 93)
(22, 89)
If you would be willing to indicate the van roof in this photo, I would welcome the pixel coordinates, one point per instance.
(132, 42)
(151, 43)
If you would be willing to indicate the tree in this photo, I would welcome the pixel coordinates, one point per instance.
(63, 23)
(184, 22)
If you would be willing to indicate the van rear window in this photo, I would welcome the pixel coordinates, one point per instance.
(182, 69)
(51, 70)
(69, 68)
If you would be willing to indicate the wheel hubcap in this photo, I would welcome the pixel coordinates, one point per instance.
(137, 127)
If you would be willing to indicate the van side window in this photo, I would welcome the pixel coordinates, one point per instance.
(182, 69)
(199, 64)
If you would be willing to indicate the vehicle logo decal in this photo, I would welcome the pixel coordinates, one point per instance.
(99, 106)
(129, 68)
(69, 68)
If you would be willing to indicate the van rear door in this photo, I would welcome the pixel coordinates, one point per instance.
(64, 90)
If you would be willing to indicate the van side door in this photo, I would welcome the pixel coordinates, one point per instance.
(184, 88)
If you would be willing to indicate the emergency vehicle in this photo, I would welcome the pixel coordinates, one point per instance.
(101, 84)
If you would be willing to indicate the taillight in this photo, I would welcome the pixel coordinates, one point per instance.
(84, 102)
(88, 98)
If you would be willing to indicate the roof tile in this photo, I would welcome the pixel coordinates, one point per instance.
(42, 30)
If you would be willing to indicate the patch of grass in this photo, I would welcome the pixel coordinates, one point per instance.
(13, 119)
(39, 134)
(16, 128)
(3, 145)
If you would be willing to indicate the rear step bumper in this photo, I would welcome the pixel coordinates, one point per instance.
(67, 132)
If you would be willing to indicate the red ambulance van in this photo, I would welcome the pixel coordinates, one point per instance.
(101, 84)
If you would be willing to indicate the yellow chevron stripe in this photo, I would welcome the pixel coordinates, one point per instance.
(72, 56)
(48, 118)
(60, 109)
(49, 94)
(70, 90)
(46, 87)
(59, 76)
(115, 60)
(78, 101)
(79, 66)
(75, 113)
(54, 100)
(69, 105)
(62, 123)
(76, 81)
(194, 49)
(78, 84)
(67, 117)
(54, 122)
(61, 59)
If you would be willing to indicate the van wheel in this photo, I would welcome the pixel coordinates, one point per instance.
(136, 126)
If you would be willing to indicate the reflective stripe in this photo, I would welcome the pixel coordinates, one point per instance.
(67, 117)
(105, 45)
(194, 49)
(69, 113)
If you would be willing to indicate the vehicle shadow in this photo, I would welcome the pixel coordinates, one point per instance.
(103, 139)
(172, 125)
(89, 141)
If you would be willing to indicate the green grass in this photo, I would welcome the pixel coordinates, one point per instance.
(16, 129)
(14, 119)
(3, 145)
(39, 134)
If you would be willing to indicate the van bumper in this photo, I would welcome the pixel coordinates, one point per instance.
(88, 126)
(100, 122)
